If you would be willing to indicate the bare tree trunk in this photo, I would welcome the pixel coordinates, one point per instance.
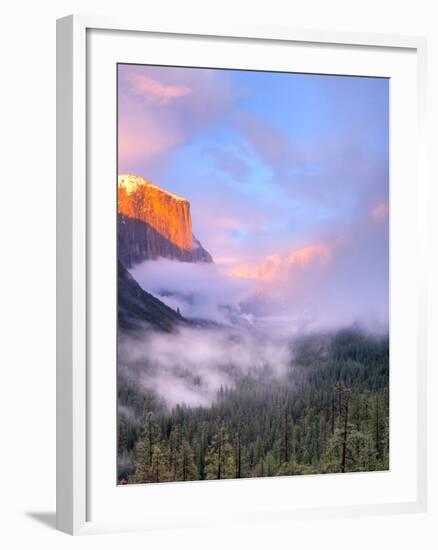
(333, 414)
(344, 439)
(219, 455)
(378, 449)
(286, 438)
(239, 458)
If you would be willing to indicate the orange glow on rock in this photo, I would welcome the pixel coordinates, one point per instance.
(165, 212)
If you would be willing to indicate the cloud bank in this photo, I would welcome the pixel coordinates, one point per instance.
(199, 290)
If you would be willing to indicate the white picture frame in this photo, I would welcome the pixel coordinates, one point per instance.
(74, 397)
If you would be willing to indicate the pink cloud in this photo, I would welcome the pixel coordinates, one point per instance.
(276, 268)
(161, 108)
(379, 212)
(145, 137)
(155, 90)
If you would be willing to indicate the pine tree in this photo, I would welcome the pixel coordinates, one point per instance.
(144, 449)
(269, 465)
(174, 447)
(186, 467)
(151, 434)
(219, 461)
(238, 458)
(158, 471)
(142, 463)
(345, 401)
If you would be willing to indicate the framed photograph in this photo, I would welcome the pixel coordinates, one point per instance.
(241, 275)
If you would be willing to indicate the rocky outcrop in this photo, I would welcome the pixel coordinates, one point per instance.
(199, 254)
(153, 222)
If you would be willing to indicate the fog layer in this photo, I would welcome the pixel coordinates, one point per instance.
(189, 366)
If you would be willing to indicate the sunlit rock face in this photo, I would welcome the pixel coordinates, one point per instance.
(153, 222)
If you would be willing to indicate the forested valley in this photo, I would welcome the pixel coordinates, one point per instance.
(328, 413)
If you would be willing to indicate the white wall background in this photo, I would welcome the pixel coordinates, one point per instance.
(27, 287)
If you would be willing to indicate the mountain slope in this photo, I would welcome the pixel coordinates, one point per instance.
(153, 222)
(137, 307)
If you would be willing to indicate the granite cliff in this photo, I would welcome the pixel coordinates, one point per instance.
(152, 223)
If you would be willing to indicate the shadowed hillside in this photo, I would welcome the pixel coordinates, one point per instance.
(137, 307)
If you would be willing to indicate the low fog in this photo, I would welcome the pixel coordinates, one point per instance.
(199, 290)
(189, 366)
